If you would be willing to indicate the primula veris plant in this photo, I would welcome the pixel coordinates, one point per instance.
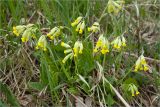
(27, 31)
(80, 23)
(42, 43)
(78, 48)
(55, 32)
(119, 42)
(115, 6)
(17, 30)
(141, 64)
(74, 58)
(68, 51)
(102, 45)
(133, 89)
(94, 28)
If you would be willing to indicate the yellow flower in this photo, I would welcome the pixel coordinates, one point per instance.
(102, 45)
(80, 24)
(133, 89)
(26, 35)
(68, 51)
(17, 30)
(141, 64)
(137, 92)
(29, 33)
(119, 42)
(115, 6)
(78, 48)
(77, 21)
(42, 43)
(67, 57)
(55, 32)
(94, 28)
(82, 27)
(65, 45)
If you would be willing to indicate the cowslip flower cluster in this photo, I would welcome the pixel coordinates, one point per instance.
(119, 42)
(77, 49)
(17, 30)
(27, 31)
(55, 32)
(68, 51)
(133, 89)
(94, 28)
(80, 24)
(141, 64)
(42, 43)
(115, 6)
(102, 45)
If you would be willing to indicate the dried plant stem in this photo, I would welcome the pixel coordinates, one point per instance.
(117, 93)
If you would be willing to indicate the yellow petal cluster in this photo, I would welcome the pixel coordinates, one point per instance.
(78, 48)
(67, 51)
(42, 43)
(27, 31)
(133, 89)
(94, 28)
(80, 23)
(102, 45)
(119, 42)
(26, 35)
(115, 6)
(17, 30)
(141, 64)
(77, 21)
(55, 32)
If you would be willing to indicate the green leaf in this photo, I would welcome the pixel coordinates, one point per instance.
(86, 60)
(110, 101)
(130, 80)
(82, 79)
(36, 85)
(72, 90)
(11, 99)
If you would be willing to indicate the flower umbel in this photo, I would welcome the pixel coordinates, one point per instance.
(102, 45)
(94, 28)
(26, 35)
(141, 64)
(119, 42)
(28, 31)
(81, 28)
(115, 6)
(133, 89)
(78, 48)
(79, 19)
(68, 51)
(42, 43)
(17, 30)
(80, 24)
(55, 32)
